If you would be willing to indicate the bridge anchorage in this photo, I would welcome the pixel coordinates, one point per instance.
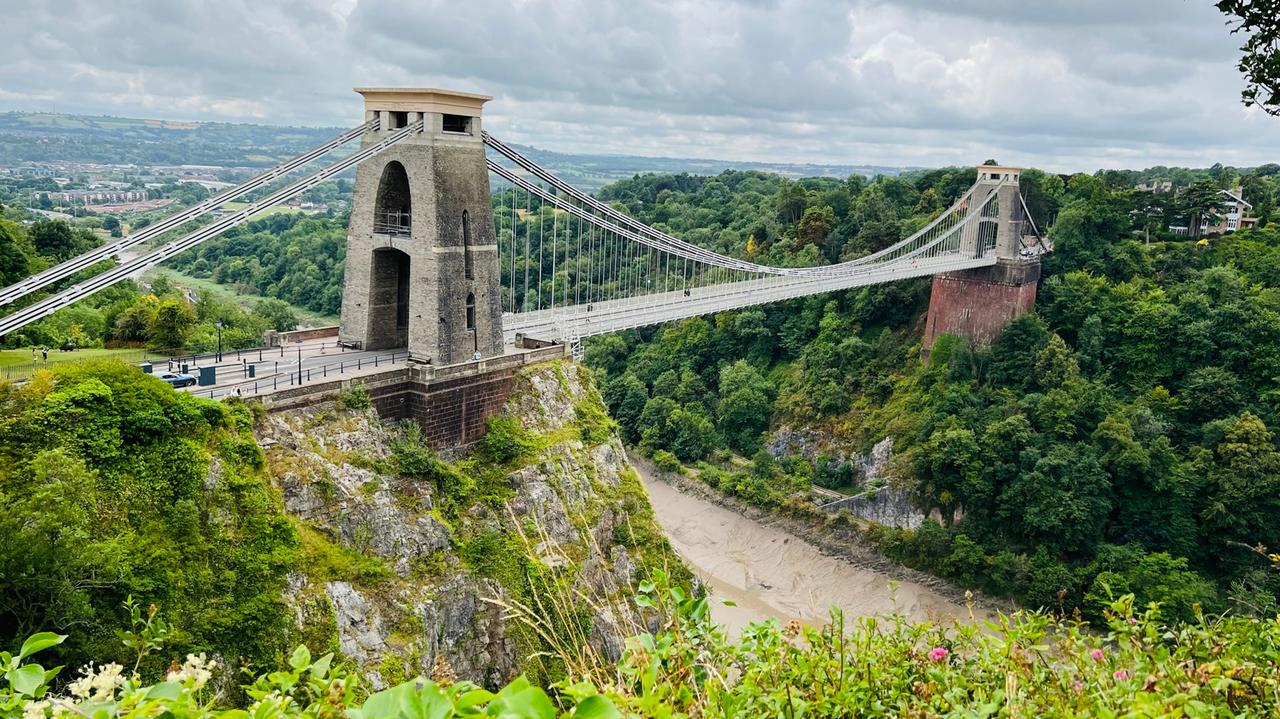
(476, 260)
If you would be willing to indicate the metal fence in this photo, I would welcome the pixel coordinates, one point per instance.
(293, 376)
(19, 372)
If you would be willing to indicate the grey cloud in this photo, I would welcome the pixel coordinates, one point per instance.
(1062, 85)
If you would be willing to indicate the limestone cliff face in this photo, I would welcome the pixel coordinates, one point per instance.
(408, 575)
(880, 500)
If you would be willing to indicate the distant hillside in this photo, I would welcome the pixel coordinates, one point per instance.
(48, 137)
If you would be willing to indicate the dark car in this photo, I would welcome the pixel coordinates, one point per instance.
(177, 379)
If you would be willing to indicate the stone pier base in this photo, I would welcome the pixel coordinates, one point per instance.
(978, 304)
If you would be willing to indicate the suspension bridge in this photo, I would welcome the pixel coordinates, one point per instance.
(460, 247)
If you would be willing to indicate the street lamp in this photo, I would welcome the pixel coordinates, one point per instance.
(299, 361)
(218, 324)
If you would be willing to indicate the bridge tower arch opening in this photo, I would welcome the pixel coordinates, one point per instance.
(422, 255)
(389, 293)
(393, 214)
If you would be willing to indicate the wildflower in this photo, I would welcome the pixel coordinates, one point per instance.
(1077, 686)
(1132, 621)
(35, 710)
(1120, 675)
(194, 672)
(938, 654)
(105, 684)
(82, 687)
(1097, 655)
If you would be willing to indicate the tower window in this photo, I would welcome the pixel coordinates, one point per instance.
(457, 123)
(467, 270)
(398, 120)
(471, 311)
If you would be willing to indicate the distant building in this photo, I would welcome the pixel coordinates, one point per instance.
(1155, 186)
(1235, 214)
(97, 197)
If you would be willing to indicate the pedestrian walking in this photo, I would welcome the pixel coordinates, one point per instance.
(44, 353)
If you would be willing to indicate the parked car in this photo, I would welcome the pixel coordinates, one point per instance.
(177, 379)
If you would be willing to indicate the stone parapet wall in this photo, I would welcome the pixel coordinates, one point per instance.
(283, 339)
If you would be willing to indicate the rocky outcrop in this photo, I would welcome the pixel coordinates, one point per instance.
(875, 498)
(409, 575)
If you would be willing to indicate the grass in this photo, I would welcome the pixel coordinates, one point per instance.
(277, 210)
(306, 318)
(16, 364)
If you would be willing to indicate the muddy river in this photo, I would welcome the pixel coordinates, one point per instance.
(768, 573)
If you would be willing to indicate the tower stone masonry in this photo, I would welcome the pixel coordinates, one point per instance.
(978, 304)
(422, 257)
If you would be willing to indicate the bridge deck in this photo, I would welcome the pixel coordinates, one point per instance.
(564, 323)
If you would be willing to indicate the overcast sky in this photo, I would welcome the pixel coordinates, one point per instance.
(1060, 84)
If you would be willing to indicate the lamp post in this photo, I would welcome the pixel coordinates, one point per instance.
(299, 361)
(218, 325)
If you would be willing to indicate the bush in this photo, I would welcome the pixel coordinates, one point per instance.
(355, 397)
(505, 441)
(667, 462)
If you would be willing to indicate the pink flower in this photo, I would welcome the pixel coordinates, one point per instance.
(1120, 675)
(938, 654)
(1132, 621)
(1077, 687)
(1097, 655)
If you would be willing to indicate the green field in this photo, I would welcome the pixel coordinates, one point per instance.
(277, 210)
(17, 364)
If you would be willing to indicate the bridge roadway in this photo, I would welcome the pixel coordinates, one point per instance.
(582, 320)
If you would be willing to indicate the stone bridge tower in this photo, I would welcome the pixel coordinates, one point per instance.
(977, 304)
(422, 258)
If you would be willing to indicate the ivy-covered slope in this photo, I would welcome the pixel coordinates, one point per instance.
(113, 485)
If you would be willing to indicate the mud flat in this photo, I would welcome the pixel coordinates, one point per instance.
(769, 573)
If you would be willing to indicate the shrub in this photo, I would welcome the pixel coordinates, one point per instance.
(667, 462)
(355, 397)
(505, 441)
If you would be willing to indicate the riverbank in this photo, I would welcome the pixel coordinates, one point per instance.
(774, 567)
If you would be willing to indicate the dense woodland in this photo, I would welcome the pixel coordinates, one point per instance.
(1118, 440)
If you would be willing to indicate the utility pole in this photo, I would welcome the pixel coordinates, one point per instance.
(218, 325)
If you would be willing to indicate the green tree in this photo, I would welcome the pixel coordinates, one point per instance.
(626, 397)
(1201, 203)
(14, 263)
(172, 323)
(1062, 504)
(814, 226)
(1259, 21)
(278, 314)
(744, 408)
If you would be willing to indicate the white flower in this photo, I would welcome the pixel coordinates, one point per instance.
(194, 672)
(35, 710)
(83, 686)
(105, 683)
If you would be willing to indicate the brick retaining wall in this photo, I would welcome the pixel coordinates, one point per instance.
(452, 403)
